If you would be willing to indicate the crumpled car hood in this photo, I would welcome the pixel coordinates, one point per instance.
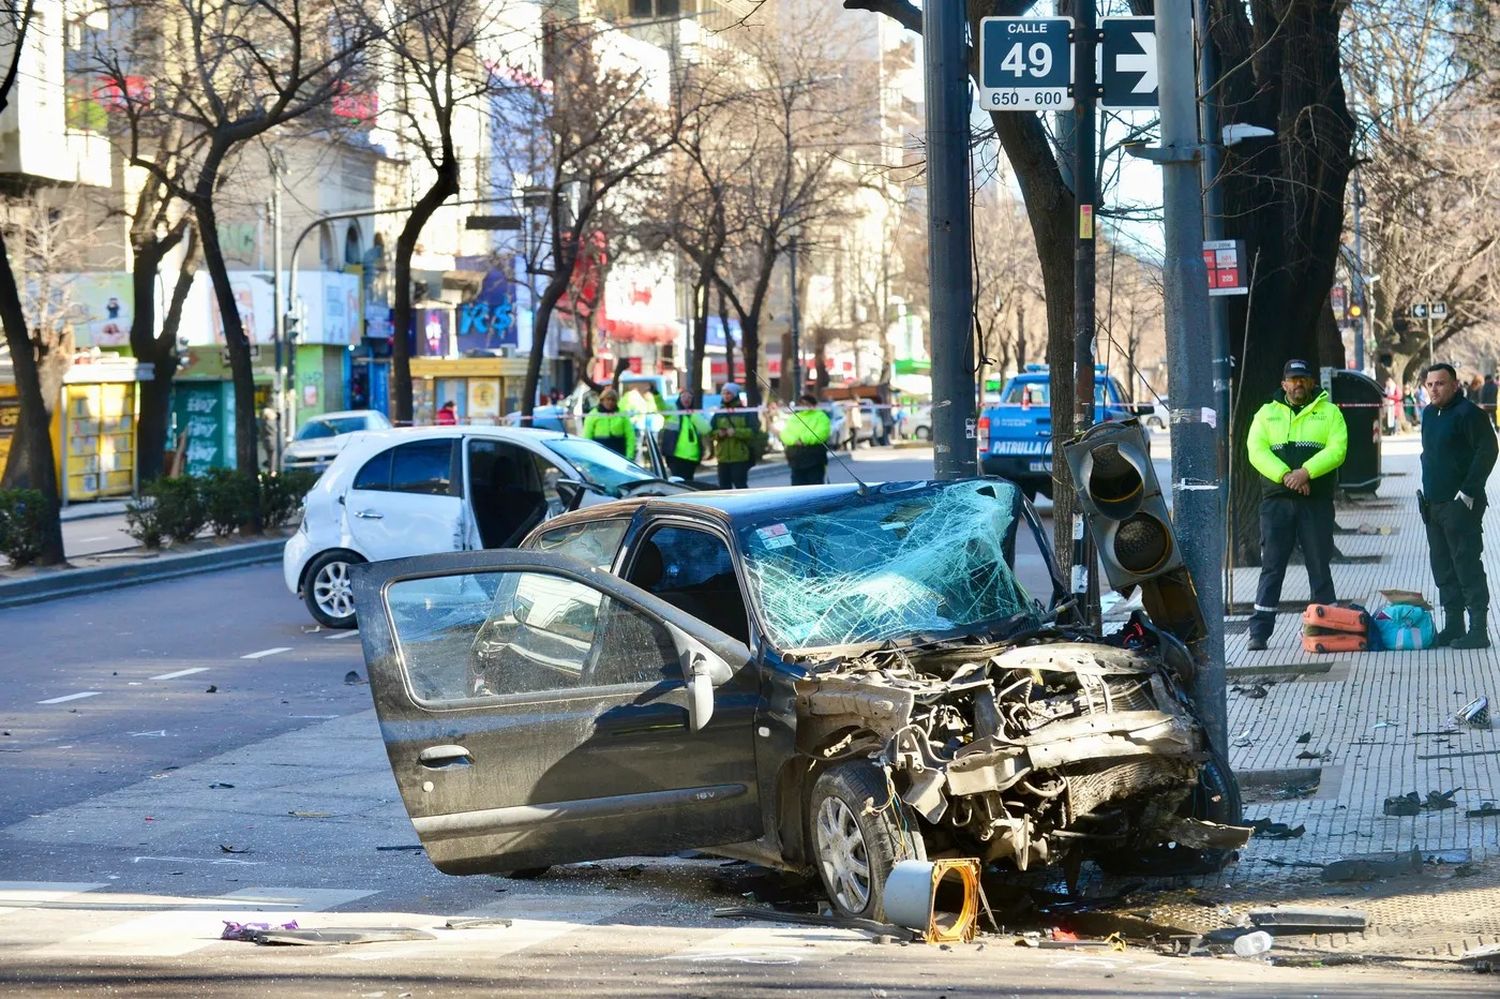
(1016, 753)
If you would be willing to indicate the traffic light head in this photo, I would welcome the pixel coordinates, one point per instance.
(1131, 525)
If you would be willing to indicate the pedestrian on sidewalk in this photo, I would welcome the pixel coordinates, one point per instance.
(1297, 442)
(684, 437)
(806, 436)
(1458, 452)
(733, 433)
(609, 426)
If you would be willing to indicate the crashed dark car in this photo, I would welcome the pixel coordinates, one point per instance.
(824, 679)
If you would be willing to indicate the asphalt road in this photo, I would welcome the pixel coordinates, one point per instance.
(143, 811)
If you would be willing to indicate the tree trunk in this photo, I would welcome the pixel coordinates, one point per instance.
(246, 418)
(542, 318)
(31, 462)
(443, 187)
(750, 347)
(157, 349)
(728, 339)
(699, 346)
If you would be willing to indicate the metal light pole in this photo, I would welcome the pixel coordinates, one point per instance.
(1213, 224)
(955, 454)
(796, 338)
(1196, 505)
(1359, 273)
(278, 334)
(1085, 195)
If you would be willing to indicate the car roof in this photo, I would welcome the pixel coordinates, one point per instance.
(339, 413)
(745, 506)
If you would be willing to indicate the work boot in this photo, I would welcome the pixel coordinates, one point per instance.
(1257, 643)
(1453, 629)
(1479, 633)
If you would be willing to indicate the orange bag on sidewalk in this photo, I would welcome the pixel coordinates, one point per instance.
(1335, 642)
(1328, 617)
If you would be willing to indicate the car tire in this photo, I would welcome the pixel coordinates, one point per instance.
(328, 591)
(923, 433)
(853, 844)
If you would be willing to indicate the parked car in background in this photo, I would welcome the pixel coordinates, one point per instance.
(918, 423)
(415, 491)
(321, 438)
(825, 680)
(1159, 414)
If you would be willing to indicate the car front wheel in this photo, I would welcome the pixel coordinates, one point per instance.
(857, 835)
(328, 590)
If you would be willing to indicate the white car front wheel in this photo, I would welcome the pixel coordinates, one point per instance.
(329, 589)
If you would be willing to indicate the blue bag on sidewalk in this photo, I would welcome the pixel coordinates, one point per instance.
(1405, 626)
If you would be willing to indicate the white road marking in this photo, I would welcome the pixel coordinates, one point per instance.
(217, 861)
(342, 634)
(157, 733)
(183, 926)
(181, 672)
(71, 697)
(268, 652)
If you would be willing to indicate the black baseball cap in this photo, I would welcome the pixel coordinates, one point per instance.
(1297, 369)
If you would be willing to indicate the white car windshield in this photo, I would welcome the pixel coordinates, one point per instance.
(332, 426)
(898, 564)
(599, 465)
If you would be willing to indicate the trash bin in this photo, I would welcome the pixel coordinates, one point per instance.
(1360, 398)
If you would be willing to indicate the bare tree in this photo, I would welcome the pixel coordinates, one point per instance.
(1431, 176)
(592, 136)
(227, 72)
(447, 56)
(31, 460)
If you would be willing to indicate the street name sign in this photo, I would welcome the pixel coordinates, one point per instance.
(1025, 63)
(1128, 63)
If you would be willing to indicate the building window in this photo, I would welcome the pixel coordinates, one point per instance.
(655, 8)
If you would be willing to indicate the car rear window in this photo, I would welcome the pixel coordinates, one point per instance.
(424, 467)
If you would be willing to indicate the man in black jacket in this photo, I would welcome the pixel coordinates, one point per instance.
(1458, 452)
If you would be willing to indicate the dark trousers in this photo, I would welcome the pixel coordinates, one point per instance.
(682, 468)
(1287, 523)
(1456, 541)
(734, 475)
(814, 475)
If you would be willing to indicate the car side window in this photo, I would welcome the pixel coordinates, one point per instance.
(503, 634)
(693, 571)
(424, 467)
(593, 544)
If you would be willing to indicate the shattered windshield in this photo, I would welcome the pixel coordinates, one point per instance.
(896, 563)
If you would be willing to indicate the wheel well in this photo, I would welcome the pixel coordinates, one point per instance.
(794, 783)
(354, 557)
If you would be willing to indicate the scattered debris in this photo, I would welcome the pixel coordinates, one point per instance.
(1437, 802)
(1266, 829)
(1200, 835)
(1403, 804)
(915, 898)
(815, 919)
(213, 688)
(1307, 754)
(1484, 960)
(1484, 811)
(404, 846)
(1373, 866)
(1255, 691)
(247, 931)
(477, 922)
(1304, 738)
(1253, 944)
(1441, 731)
(311, 815)
(226, 848)
(1307, 919)
(219, 785)
(1475, 714)
(338, 935)
(352, 678)
(1383, 724)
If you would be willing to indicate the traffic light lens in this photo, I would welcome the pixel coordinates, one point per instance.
(1143, 544)
(1115, 484)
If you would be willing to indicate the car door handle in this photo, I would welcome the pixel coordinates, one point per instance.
(439, 757)
(369, 515)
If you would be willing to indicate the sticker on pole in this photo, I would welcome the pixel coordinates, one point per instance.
(1025, 63)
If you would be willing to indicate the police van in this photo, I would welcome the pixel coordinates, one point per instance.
(1015, 435)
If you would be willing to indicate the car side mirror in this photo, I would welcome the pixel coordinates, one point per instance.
(700, 690)
(570, 491)
(1142, 408)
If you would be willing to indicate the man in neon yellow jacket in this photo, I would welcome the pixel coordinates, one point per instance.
(806, 436)
(684, 438)
(610, 427)
(1297, 443)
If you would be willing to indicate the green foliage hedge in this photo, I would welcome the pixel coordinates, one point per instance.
(23, 512)
(223, 500)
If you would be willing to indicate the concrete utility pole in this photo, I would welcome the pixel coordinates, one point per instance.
(1196, 505)
(278, 329)
(795, 370)
(1085, 196)
(945, 25)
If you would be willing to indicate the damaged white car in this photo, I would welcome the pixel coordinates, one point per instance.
(823, 679)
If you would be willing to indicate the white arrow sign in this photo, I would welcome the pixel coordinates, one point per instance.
(1143, 62)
